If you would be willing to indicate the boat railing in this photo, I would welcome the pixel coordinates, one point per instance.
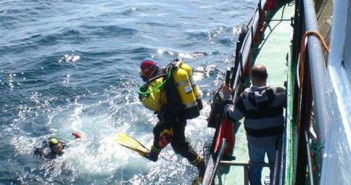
(297, 155)
(241, 63)
(242, 60)
(247, 42)
(317, 69)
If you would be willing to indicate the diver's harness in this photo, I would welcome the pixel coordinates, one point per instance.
(175, 89)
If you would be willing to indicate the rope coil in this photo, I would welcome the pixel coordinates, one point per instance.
(301, 70)
(302, 53)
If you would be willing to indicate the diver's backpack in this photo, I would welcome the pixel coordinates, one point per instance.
(183, 96)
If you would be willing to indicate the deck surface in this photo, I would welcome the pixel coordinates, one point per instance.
(275, 44)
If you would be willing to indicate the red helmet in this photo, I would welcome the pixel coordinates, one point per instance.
(148, 69)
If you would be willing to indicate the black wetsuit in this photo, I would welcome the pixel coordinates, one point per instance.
(45, 150)
(179, 143)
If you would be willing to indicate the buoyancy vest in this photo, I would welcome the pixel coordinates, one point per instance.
(152, 94)
(174, 89)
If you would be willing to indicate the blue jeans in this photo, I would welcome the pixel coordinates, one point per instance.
(256, 155)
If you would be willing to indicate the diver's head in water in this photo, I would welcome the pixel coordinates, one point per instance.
(56, 146)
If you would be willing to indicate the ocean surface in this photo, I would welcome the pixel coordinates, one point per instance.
(72, 66)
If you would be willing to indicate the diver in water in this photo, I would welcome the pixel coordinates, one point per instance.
(53, 147)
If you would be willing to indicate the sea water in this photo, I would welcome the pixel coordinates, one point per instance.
(72, 66)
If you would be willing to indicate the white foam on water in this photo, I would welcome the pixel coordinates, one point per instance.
(96, 154)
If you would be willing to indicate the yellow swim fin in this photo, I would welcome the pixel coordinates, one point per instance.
(131, 143)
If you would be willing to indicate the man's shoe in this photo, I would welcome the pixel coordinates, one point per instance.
(201, 167)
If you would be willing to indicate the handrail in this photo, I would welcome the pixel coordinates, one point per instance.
(245, 51)
(317, 71)
(318, 74)
(247, 42)
(212, 167)
(245, 48)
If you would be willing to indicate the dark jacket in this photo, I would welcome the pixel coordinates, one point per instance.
(262, 108)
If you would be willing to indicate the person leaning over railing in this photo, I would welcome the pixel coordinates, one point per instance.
(262, 106)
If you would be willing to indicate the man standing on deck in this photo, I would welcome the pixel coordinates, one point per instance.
(262, 107)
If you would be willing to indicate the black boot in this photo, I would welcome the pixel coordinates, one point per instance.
(201, 167)
(153, 154)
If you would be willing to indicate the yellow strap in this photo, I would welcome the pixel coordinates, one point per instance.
(196, 161)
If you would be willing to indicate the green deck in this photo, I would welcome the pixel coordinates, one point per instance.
(275, 44)
(271, 51)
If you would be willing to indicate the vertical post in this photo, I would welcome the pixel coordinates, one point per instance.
(309, 160)
(246, 175)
